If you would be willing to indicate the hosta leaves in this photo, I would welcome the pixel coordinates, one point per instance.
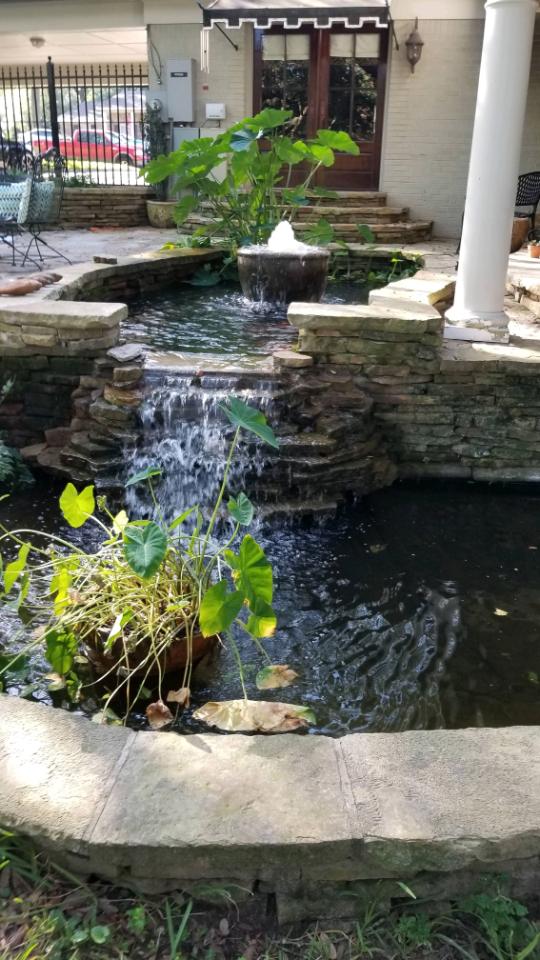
(77, 507)
(274, 676)
(15, 568)
(146, 474)
(158, 715)
(338, 140)
(262, 621)
(219, 608)
(255, 716)
(144, 548)
(241, 415)
(60, 649)
(241, 509)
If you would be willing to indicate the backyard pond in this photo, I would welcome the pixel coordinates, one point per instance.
(417, 608)
(218, 320)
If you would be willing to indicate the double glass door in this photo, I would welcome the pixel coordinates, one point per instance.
(328, 78)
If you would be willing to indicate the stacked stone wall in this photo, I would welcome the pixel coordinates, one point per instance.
(443, 408)
(105, 207)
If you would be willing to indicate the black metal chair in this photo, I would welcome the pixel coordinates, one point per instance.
(527, 200)
(528, 197)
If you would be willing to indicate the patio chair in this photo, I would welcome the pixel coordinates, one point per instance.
(528, 197)
(44, 203)
(11, 195)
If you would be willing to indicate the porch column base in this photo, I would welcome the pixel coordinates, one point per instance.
(462, 324)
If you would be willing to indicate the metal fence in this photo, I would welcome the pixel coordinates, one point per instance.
(93, 115)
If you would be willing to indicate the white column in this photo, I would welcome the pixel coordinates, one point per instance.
(478, 310)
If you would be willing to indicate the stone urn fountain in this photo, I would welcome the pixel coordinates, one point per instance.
(283, 269)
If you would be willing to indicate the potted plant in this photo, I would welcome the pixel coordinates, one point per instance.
(534, 249)
(139, 611)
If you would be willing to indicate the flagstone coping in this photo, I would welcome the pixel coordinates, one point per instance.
(166, 807)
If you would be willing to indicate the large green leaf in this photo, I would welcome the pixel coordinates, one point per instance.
(254, 572)
(77, 507)
(241, 415)
(219, 608)
(60, 649)
(320, 233)
(322, 154)
(274, 676)
(144, 548)
(251, 716)
(241, 509)
(366, 232)
(338, 140)
(146, 474)
(269, 119)
(243, 139)
(15, 568)
(288, 152)
(184, 208)
(262, 621)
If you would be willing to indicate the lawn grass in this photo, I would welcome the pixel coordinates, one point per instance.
(48, 914)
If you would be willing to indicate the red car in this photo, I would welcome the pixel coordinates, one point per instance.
(100, 146)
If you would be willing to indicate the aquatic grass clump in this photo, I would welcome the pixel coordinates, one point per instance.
(138, 613)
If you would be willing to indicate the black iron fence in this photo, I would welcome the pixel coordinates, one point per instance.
(93, 115)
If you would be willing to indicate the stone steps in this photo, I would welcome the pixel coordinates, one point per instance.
(356, 214)
(403, 231)
(354, 198)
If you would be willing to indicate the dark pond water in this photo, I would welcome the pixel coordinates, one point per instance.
(219, 319)
(415, 609)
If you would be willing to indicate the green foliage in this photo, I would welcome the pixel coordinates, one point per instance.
(14, 474)
(150, 586)
(259, 155)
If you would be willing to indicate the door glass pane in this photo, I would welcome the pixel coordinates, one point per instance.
(285, 73)
(352, 101)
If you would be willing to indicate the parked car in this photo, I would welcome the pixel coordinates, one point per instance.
(97, 146)
(37, 139)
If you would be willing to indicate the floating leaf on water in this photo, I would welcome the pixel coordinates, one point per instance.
(500, 613)
(181, 696)
(255, 716)
(77, 507)
(533, 678)
(377, 547)
(274, 676)
(158, 715)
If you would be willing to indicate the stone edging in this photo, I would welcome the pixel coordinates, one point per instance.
(286, 813)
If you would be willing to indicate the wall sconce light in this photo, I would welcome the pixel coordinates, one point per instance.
(414, 44)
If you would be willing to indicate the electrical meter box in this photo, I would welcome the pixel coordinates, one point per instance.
(215, 111)
(181, 134)
(180, 90)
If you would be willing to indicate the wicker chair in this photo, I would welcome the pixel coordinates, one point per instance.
(11, 194)
(44, 203)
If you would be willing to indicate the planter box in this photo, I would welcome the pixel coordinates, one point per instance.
(161, 213)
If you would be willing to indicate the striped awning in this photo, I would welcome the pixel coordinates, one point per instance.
(295, 13)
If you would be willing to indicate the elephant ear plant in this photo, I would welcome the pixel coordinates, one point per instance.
(134, 616)
(240, 182)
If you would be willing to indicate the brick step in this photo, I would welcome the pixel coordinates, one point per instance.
(410, 231)
(413, 231)
(355, 214)
(354, 198)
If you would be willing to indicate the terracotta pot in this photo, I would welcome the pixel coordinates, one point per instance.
(534, 251)
(171, 661)
(520, 230)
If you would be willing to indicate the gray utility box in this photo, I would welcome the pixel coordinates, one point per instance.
(180, 90)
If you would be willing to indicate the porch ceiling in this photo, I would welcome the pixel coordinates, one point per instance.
(126, 45)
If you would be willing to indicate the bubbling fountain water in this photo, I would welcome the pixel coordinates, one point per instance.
(284, 269)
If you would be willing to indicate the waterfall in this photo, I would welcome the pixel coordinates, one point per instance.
(186, 434)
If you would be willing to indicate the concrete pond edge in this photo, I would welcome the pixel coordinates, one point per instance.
(290, 816)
